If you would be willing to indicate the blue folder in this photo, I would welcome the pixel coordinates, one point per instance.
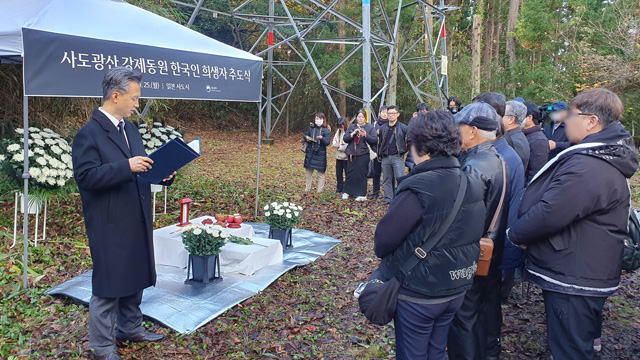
(170, 157)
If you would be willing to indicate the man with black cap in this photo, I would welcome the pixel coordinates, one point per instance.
(478, 123)
(554, 131)
(538, 142)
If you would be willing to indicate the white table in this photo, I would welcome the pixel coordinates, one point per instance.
(245, 259)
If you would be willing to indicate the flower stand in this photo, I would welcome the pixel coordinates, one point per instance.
(33, 208)
(284, 235)
(156, 189)
(203, 270)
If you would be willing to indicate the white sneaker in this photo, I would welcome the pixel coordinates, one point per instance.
(361, 198)
(597, 345)
(345, 196)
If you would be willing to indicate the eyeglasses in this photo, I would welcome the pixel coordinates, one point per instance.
(392, 113)
(574, 114)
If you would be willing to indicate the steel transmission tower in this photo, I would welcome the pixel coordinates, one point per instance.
(410, 35)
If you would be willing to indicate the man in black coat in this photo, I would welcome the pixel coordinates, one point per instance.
(538, 143)
(555, 131)
(582, 199)
(107, 156)
(512, 121)
(392, 147)
(468, 336)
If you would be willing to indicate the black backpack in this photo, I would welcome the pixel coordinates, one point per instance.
(631, 255)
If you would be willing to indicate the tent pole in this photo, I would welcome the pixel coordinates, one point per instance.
(25, 176)
(259, 150)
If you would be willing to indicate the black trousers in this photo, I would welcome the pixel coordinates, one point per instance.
(477, 319)
(573, 322)
(341, 172)
(377, 172)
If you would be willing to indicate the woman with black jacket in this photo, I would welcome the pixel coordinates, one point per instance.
(360, 136)
(317, 137)
(433, 290)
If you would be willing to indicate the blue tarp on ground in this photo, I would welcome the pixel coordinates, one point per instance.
(185, 308)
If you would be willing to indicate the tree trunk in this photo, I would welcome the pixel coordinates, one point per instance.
(342, 85)
(497, 30)
(475, 55)
(514, 7)
(487, 45)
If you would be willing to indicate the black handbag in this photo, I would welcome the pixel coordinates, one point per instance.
(378, 296)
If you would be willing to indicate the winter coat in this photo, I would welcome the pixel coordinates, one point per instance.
(558, 136)
(338, 139)
(361, 148)
(315, 157)
(573, 216)
(450, 265)
(513, 255)
(518, 141)
(538, 149)
(483, 162)
(116, 205)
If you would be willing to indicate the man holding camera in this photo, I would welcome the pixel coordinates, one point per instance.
(554, 131)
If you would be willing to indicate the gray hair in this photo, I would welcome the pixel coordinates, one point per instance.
(118, 79)
(487, 135)
(519, 111)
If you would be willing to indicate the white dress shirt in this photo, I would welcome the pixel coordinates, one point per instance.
(115, 123)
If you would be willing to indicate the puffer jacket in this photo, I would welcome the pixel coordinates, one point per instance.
(483, 162)
(449, 267)
(574, 213)
(315, 157)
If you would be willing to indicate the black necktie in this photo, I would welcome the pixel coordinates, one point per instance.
(121, 130)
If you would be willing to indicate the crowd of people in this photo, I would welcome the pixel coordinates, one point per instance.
(554, 199)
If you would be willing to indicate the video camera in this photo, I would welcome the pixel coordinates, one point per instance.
(544, 109)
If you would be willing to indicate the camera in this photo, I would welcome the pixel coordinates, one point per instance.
(544, 109)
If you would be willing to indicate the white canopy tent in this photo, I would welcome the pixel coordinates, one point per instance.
(65, 46)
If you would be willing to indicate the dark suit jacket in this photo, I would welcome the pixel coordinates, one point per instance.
(117, 207)
(558, 136)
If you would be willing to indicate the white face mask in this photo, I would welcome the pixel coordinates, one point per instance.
(319, 123)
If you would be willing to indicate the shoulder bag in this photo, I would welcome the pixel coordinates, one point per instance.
(486, 243)
(378, 297)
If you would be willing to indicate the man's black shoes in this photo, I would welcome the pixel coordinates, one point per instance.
(143, 337)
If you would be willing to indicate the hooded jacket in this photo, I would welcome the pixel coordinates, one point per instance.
(573, 216)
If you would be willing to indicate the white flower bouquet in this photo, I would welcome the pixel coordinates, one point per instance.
(50, 166)
(156, 135)
(282, 216)
(204, 240)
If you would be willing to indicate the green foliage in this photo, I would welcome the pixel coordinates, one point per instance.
(204, 240)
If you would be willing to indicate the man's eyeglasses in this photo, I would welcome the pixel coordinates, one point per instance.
(574, 114)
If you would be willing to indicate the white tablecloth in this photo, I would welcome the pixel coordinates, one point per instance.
(245, 259)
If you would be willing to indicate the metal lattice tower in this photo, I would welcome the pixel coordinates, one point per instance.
(291, 30)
